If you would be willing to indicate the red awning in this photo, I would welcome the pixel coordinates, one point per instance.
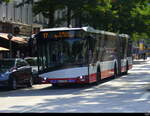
(15, 38)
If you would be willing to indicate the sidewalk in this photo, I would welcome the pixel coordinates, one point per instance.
(147, 68)
(140, 61)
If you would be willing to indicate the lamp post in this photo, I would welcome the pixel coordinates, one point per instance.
(10, 36)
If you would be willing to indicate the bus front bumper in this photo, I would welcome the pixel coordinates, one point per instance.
(78, 80)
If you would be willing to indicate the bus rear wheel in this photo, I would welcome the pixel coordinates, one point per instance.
(98, 75)
(115, 71)
(126, 72)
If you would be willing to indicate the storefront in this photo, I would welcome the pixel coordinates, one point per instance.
(21, 34)
(18, 45)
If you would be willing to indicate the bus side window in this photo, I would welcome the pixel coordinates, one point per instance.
(92, 48)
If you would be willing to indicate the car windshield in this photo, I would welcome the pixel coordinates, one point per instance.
(32, 61)
(6, 64)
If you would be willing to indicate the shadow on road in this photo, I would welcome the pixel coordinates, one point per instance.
(50, 90)
(137, 62)
(122, 95)
(115, 96)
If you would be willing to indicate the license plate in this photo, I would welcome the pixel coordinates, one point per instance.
(53, 81)
(62, 81)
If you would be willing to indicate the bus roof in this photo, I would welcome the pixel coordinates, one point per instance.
(86, 29)
(59, 29)
(124, 35)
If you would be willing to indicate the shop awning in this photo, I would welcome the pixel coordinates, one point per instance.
(3, 49)
(15, 38)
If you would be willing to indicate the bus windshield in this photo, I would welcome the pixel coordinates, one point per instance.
(64, 51)
(68, 51)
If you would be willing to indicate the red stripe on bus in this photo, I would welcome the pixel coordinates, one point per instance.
(104, 74)
(92, 78)
(107, 73)
(123, 69)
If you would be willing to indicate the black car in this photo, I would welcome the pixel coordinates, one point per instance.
(15, 72)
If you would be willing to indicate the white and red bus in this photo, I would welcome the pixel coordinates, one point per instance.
(82, 55)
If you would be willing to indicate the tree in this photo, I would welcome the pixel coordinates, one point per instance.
(4, 1)
(120, 16)
(98, 15)
(76, 9)
(128, 13)
(133, 18)
(47, 8)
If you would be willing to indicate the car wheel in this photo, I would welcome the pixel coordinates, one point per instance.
(12, 83)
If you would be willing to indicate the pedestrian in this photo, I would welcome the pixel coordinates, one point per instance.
(144, 55)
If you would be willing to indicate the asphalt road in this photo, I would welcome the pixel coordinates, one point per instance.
(128, 93)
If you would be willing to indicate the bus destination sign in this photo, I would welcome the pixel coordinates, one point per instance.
(63, 34)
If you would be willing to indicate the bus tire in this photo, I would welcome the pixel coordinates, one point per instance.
(126, 72)
(115, 71)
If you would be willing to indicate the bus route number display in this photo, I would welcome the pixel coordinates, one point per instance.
(57, 35)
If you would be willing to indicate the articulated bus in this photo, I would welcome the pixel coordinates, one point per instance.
(82, 55)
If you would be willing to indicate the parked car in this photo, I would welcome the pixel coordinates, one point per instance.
(15, 72)
(33, 63)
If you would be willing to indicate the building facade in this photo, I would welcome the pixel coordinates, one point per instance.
(18, 13)
(15, 16)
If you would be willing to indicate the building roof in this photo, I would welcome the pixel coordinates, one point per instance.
(15, 38)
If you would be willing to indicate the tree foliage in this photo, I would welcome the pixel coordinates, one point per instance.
(1, 1)
(47, 8)
(123, 16)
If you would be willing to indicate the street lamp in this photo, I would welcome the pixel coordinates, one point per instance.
(10, 36)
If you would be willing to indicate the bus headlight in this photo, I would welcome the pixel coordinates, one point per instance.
(81, 77)
(44, 78)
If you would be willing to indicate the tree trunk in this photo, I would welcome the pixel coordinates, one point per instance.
(68, 16)
(51, 22)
